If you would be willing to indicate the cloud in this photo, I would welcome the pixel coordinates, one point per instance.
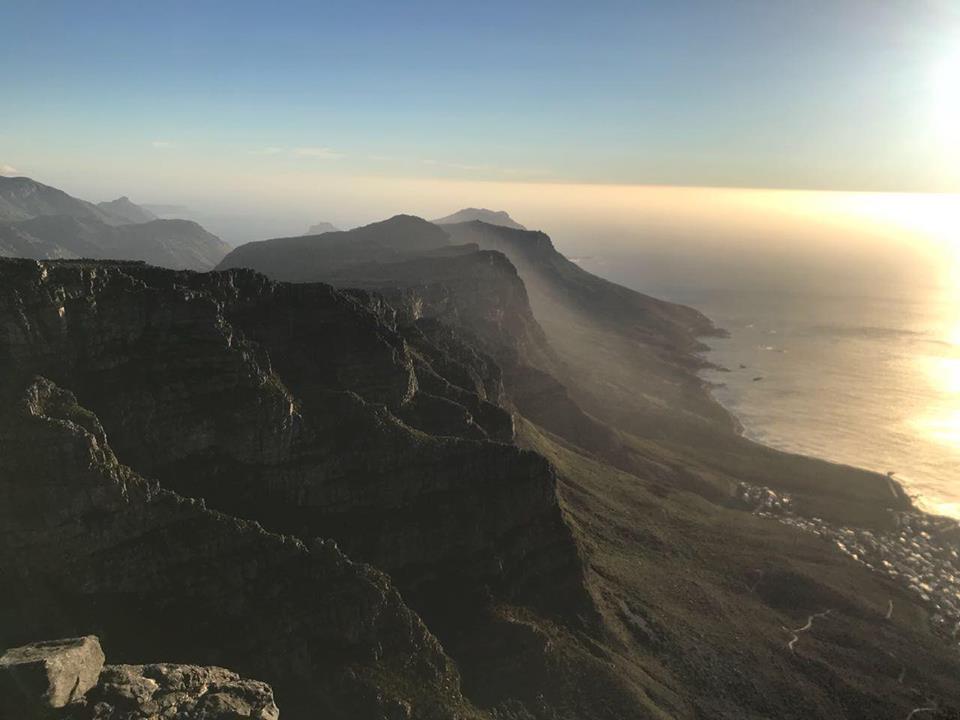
(267, 151)
(162, 144)
(317, 153)
(8, 170)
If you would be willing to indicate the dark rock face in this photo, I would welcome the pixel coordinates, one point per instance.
(478, 293)
(90, 544)
(145, 692)
(299, 406)
(47, 675)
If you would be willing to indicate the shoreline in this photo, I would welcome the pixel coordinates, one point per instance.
(916, 500)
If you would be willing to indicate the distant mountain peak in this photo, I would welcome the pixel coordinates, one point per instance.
(320, 228)
(491, 217)
(123, 211)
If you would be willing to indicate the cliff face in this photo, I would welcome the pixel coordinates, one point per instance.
(301, 407)
(89, 545)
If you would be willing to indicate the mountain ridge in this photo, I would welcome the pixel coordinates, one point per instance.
(38, 221)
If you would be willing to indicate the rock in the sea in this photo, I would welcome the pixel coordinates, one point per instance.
(145, 692)
(46, 675)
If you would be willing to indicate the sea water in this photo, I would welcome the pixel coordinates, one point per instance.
(843, 314)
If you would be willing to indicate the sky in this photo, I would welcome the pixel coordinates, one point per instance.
(168, 101)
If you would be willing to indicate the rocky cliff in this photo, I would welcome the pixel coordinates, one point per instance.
(300, 407)
(90, 546)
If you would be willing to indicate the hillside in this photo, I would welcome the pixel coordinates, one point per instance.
(22, 198)
(40, 222)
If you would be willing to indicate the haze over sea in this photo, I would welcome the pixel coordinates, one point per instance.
(843, 316)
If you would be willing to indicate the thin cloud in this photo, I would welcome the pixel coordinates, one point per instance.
(8, 170)
(267, 151)
(162, 144)
(317, 153)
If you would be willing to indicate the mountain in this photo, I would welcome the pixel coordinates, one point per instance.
(466, 480)
(177, 244)
(122, 211)
(493, 217)
(321, 228)
(300, 407)
(22, 198)
(310, 257)
(40, 222)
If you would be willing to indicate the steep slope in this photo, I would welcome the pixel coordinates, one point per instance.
(630, 360)
(90, 546)
(717, 613)
(491, 217)
(303, 408)
(124, 212)
(421, 274)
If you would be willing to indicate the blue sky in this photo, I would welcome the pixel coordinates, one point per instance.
(828, 94)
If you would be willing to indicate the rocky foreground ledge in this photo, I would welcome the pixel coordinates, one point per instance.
(67, 680)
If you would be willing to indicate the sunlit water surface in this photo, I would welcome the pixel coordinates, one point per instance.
(843, 319)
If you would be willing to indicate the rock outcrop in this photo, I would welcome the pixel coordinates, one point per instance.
(146, 692)
(67, 680)
(44, 676)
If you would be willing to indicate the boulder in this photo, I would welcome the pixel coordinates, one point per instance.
(143, 692)
(51, 674)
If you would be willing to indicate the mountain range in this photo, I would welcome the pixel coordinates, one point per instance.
(436, 471)
(41, 222)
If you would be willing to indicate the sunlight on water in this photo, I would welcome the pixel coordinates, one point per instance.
(844, 314)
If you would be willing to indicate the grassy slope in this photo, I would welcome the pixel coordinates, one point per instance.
(695, 598)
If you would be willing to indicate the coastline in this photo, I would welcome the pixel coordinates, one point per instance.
(921, 553)
(709, 386)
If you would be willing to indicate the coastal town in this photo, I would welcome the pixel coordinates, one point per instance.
(920, 553)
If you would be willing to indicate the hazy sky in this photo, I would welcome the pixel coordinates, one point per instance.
(170, 98)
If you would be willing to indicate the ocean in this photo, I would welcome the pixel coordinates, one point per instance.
(866, 381)
(844, 324)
